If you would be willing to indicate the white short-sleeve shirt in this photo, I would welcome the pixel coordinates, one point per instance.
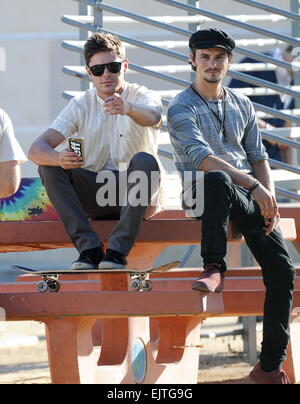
(109, 138)
(10, 150)
(115, 136)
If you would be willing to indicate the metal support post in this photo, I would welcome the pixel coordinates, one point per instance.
(295, 7)
(193, 28)
(98, 16)
(250, 339)
(83, 36)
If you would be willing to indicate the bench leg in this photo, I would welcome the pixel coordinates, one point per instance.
(67, 340)
(292, 363)
(114, 341)
(167, 354)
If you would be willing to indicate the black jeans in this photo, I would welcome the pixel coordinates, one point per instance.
(224, 201)
(73, 194)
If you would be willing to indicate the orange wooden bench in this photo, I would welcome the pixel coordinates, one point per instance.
(292, 210)
(165, 229)
(99, 331)
(161, 327)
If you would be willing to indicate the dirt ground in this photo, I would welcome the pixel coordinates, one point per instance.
(23, 355)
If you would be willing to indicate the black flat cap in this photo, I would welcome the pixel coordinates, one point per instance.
(212, 38)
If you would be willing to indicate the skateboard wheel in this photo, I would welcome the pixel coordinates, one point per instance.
(136, 285)
(54, 287)
(42, 287)
(147, 286)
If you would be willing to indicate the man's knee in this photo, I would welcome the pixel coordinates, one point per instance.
(281, 279)
(52, 175)
(48, 171)
(144, 162)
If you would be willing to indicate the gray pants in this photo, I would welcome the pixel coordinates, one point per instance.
(73, 194)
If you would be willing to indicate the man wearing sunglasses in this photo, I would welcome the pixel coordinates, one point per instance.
(119, 123)
(11, 155)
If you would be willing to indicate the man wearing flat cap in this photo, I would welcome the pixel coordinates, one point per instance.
(214, 129)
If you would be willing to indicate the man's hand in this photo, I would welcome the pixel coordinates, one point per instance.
(116, 105)
(271, 224)
(69, 160)
(268, 207)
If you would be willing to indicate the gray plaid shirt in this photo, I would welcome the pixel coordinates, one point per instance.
(193, 130)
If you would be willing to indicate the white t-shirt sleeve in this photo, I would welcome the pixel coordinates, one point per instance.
(67, 122)
(10, 149)
(148, 98)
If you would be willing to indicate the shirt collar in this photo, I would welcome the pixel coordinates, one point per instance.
(101, 101)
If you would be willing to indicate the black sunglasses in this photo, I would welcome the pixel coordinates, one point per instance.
(113, 67)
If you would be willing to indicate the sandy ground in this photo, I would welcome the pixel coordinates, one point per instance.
(23, 355)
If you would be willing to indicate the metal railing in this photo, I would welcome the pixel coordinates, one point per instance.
(182, 58)
(195, 15)
(270, 9)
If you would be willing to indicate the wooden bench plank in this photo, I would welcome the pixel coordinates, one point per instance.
(92, 300)
(36, 235)
(25, 306)
(292, 210)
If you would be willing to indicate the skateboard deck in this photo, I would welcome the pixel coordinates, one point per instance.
(138, 277)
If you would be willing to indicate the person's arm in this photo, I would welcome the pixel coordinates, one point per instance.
(212, 163)
(10, 175)
(263, 194)
(43, 153)
(11, 157)
(262, 172)
(143, 115)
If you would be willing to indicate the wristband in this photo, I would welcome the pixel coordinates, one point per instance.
(254, 186)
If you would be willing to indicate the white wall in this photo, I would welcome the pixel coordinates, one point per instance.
(31, 33)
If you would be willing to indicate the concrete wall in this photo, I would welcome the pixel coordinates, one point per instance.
(31, 33)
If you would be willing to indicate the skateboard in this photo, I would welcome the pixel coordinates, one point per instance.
(139, 281)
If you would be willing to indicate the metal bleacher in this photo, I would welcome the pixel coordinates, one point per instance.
(171, 73)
